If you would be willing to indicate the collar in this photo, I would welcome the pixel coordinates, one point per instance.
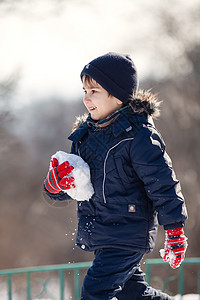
(120, 121)
(79, 133)
(103, 124)
(106, 121)
(126, 120)
(89, 123)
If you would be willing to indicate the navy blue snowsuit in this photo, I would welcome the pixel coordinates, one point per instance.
(135, 188)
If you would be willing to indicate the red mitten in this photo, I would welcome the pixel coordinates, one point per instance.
(175, 247)
(57, 179)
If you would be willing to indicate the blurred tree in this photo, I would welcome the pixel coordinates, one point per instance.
(178, 40)
(171, 31)
(180, 124)
(7, 88)
(37, 231)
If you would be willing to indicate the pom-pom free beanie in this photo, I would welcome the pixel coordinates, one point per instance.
(116, 73)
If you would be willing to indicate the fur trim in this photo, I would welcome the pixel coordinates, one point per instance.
(146, 102)
(79, 120)
(143, 102)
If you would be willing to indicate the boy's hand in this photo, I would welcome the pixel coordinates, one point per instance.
(175, 247)
(55, 181)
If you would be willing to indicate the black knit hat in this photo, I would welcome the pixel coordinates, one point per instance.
(116, 73)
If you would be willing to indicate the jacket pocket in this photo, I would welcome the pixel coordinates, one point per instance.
(122, 212)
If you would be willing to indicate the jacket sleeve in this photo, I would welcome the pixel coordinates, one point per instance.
(73, 148)
(58, 197)
(154, 167)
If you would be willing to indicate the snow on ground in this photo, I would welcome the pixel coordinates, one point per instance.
(40, 290)
(188, 297)
(16, 296)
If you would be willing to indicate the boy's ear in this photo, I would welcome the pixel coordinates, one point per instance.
(119, 102)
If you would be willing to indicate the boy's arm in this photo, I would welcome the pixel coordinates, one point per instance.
(154, 168)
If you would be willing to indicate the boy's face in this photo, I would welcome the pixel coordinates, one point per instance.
(98, 101)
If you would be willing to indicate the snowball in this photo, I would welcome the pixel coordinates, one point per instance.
(171, 257)
(162, 252)
(81, 173)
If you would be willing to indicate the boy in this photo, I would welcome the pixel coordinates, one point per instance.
(134, 183)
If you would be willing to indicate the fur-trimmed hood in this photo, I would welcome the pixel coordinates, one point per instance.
(146, 102)
(143, 102)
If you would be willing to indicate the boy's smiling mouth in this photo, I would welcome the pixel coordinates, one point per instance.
(92, 108)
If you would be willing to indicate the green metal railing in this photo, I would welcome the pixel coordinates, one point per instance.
(159, 261)
(76, 267)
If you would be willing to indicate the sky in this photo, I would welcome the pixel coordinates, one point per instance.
(46, 43)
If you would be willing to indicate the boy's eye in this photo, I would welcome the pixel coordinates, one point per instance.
(91, 91)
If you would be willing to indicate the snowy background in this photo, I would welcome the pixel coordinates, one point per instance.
(44, 45)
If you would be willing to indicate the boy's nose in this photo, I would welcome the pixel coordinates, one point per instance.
(86, 98)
